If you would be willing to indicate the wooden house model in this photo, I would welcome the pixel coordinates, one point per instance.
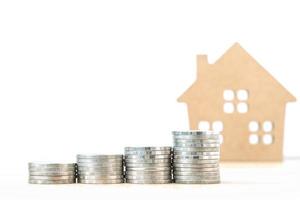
(237, 97)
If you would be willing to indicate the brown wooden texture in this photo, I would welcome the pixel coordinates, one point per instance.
(237, 70)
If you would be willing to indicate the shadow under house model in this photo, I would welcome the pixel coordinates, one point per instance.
(237, 97)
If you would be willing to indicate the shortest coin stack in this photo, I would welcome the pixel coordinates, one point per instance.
(100, 169)
(148, 165)
(52, 173)
(196, 157)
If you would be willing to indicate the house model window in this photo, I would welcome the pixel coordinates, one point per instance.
(261, 134)
(235, 101)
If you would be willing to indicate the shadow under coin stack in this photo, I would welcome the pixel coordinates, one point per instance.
(148, 165)
(52, 173)
(196, 157)
(100, 169)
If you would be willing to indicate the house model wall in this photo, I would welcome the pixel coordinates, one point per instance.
(239, 98)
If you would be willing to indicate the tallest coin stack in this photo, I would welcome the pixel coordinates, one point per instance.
(196, 157)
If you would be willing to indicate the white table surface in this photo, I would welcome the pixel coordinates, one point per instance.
(239, 181)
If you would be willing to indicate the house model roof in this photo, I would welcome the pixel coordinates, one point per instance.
(236, 68)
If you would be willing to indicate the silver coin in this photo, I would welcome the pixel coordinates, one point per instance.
(101, 177)
(194, 137)
(99, 156)
(100, 164)
(158, 173)
(192, 170)
(101, 173)
(52, 178)
(34, 169)
(200, 165)
(196, 141)
(178, 162)
(105, 158)
(149, 161)
(198, 177)
(148, 165)
(148, 148)
(109, 164)
(196, 145)
(163, 149)
(67, 181)
(79, 162)
(212, 173)
(99, 169)
(195, 153)
(148, 168)
(141, 153)
(99, 159)
(168, 149)
(112, 181)
(143, 177)
(43, 169)
(148, 181)
(197, 181)
(196, 149)
(194, 132)
(46, 173)
(195, 157)
(167, 156)
(146, 172)
(215, 136)
(50, 170)
(194, 163)
(51, 165)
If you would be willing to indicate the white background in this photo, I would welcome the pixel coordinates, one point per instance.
(95, 76)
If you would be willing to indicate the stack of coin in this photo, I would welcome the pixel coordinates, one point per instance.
(52, 173)
(148, 165)
(100, 169)
(196, 157)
